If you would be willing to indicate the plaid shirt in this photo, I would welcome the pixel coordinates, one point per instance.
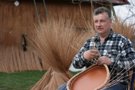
(117, 47)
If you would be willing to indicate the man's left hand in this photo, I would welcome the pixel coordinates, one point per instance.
(104, 60)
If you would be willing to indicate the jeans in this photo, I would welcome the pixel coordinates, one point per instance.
(118, 86)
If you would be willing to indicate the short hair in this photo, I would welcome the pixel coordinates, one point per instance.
(100, 10)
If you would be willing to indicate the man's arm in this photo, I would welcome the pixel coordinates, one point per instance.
(126, 59)
(84, 56)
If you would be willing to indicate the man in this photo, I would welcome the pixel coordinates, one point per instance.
(108, 48)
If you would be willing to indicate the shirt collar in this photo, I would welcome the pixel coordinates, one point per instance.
(109, 36)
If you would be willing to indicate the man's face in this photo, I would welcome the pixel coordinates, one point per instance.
(102, 23)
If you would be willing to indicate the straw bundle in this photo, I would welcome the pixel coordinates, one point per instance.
(124, 28)
(57, 41)
(51, 80)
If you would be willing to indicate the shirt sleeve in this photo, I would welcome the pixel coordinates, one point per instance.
(79, 61)
(126, 58)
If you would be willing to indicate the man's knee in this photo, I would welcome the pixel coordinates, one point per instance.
(62, 87)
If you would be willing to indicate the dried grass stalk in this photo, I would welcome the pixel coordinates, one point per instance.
(51, 80)
(57, 41)
(14, 59)
(124, 28)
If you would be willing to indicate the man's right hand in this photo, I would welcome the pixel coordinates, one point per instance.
(91, 54)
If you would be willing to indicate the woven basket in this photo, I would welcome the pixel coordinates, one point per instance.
(93, 78)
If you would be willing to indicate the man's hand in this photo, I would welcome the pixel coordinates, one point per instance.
(104, 60)
(91, 54)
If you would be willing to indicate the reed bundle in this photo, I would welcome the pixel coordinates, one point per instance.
(57, 41)
(124, 29)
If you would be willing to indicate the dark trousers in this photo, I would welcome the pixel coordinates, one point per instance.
(118, 86)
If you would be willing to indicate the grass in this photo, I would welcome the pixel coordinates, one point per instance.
(19, 80)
